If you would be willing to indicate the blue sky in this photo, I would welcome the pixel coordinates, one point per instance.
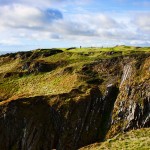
(31, 24)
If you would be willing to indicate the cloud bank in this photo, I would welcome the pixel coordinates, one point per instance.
(24, 22)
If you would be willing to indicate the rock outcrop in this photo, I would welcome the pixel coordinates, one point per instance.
(54, 122)
(132, 106)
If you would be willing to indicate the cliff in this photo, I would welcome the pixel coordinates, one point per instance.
(67, 99)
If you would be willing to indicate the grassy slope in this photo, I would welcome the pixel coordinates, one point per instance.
(56, 81)
(132, 140)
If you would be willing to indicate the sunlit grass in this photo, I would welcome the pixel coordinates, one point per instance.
(9, 66)
(132, 140)
(56, 82)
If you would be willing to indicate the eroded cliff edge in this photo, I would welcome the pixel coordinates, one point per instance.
(113, 97)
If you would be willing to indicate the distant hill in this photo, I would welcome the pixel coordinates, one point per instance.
(6, 52)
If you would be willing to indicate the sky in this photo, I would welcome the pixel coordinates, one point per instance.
(32, 24)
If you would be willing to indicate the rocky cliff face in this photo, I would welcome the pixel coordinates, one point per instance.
(116, 98)
(132, 106)
(54, 122)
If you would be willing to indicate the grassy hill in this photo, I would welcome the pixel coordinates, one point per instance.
(20, 77)
(132, 140)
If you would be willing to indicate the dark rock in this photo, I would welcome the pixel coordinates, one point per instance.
(95, 81)
(68, 70)
(112, 53)
(6, 75)
(71, 48)
(40, 66)
(24, 55)
(15, 74)
(26, 66)
(34, 123)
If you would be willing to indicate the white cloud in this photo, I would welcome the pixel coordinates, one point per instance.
(10, 41)
(142, 21)
(46, 3)
(23, 22)
(20, 15)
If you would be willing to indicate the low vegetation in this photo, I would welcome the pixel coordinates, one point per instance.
(132, 140)
(21, 75)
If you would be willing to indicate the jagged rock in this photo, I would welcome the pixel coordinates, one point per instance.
(9, 74)
(39, 66)
(51, 52)
(26, 66)
(70, 48)
(112, 53)
(38, 123)
(132, 107)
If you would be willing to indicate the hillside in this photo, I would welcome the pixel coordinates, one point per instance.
(135, 139)
(66, 99)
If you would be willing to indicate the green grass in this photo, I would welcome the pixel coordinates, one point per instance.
(56, 81)
(9, 66)
(132, 140)
(42, 84)
(8, 89)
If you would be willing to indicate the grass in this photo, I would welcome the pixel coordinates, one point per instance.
(132, 140)
(54, 82)
(42, 84)
(9, 66)
(57, 81)
(8, 89)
